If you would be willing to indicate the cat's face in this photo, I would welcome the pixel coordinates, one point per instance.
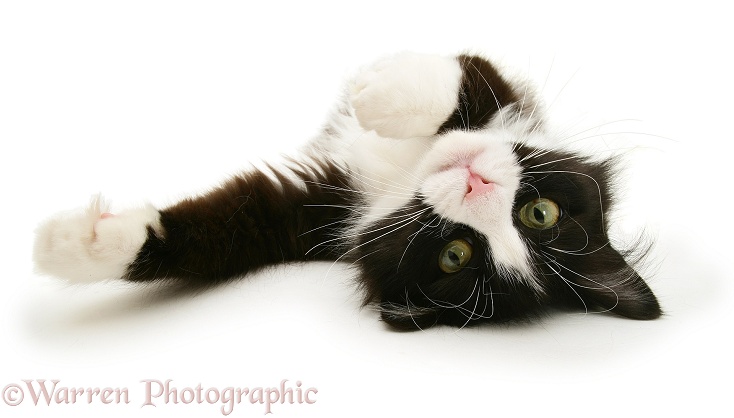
(497, 231)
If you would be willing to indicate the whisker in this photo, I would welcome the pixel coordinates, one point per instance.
(404, 222)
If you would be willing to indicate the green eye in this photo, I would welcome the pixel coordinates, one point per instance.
(454, 256)
(540, 213)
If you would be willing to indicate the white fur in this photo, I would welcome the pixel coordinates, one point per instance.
(82, 247)
(392, 109)
(406, 95)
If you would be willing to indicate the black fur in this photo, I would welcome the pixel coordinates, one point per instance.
(483, 92)
(250, 222)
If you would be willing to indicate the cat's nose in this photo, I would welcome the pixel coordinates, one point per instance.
(477, 185)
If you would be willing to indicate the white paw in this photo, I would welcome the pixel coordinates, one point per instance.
(91, 245)
(406, 95)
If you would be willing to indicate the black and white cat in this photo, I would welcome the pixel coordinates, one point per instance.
(425, 179)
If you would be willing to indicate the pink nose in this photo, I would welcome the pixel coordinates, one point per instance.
(476, 185)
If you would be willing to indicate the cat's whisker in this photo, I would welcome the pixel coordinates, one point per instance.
(486, 281)
(412, 238)
(357, 260)
(577, 252)
(408, 303)
(646, 134)
(556, 98)
(542, 90)
(344, 237)
(463, 101)
(360, 209)
(553, 162)
(569, 284)
(555, 234)
(459, 307)
(601, 285)
(524, 95)
(398, 225)
(321, 227)
(395, 188)
(343, 189)
(473, 311)
(586, 235)
(596, 128)
(526, 184)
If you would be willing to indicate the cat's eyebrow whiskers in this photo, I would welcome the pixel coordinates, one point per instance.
(412, 237)
(598, 187)
(553, 162)
(536, 153)
(525, 184)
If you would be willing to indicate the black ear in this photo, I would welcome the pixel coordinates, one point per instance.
(617, 287)
(408, 318)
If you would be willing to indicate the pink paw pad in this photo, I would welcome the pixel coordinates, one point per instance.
(106, 215)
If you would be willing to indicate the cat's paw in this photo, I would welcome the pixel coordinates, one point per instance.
(92, 244)
(406, 95)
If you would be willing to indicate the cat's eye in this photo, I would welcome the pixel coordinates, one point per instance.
(540, 213)
(455, 256)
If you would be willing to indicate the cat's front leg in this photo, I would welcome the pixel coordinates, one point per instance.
(253, 220)
(415, 95)
(92, 244)
(406, 95)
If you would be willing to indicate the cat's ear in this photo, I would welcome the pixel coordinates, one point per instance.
(617, 287)
(408, 318)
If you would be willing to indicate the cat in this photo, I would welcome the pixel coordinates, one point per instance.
(425, 179)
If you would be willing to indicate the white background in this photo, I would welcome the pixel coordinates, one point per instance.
(157, 100)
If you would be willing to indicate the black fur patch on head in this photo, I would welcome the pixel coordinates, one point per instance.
(482, 94)
(400, 271)
(577, 267)
(576, 259)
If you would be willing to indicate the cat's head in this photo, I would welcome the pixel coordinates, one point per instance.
(496, 232)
